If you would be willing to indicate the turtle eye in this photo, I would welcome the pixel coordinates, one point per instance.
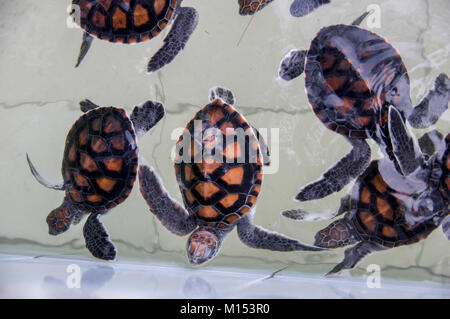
(394, 91)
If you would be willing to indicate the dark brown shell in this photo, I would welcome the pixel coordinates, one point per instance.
(378, 214)
(125, 21)
(348, 73)
(223, 188)
(100, 159)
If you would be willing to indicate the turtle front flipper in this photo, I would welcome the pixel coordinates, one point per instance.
(182, 29)
(85, 46)
(224, 94)
(292, 65)
(41, 180)
(300, 8)
(300, 214)
(430, 109)
(97, 238)
(339, 175)
(60, 219)
(258, 237)
(171, 214)
(354, 255)
(403, 146)
(146, 116)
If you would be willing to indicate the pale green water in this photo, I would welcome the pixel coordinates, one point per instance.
(40, 89)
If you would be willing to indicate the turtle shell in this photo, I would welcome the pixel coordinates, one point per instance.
(100, 159)
(378, 213)
(218, 165)
(124, 21)
(349, 75)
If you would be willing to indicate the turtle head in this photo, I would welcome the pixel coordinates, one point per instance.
(398, 95)
(292, 65)
(203, 245)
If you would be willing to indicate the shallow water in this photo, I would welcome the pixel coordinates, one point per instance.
(40, 91)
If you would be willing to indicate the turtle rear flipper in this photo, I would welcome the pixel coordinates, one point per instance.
(224, 94)
(41, 180)
(171, 214)
(146, 116)
(339, 175)
(430, 109)
(60, 219)
(85, 46)
(258, 237)
(354, 255)
(403, 146)
(292, 65)
(183, 27)
(87, 105)
(97, 239)
(300, 8)
(446, 227)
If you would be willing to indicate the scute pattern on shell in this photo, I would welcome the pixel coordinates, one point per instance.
(348, 73)
(125, 21)
(378, 215)
(219, 188)
(100, 159)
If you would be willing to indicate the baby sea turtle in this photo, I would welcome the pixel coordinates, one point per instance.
(299, 8)
(134, 21)
(99, 169)
(218, 166)
(352, 76)
(385, 209)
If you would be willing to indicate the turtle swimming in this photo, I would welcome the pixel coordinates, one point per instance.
(352, 76)
(135, 21)
(386, 209)
(218, 166)
(99, 169)
(299, 8)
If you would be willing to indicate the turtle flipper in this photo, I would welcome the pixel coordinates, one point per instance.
(87, 105)
(60, 219)
(183, 27)
(265, 152)
(300, 8)
(41, 180)
(258, 237)
(85, 46)
(292, 65)
(446, 227)
(430, 109)
(171, 214)
(339, 175)
(252, 6)
(146, 116)
(353, 256)
(97, 239)
(224, 94)
(431, 142)
(300, 214)
(407, 156)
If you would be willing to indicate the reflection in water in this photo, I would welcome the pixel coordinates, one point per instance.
(197, 287)
(91, 280)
